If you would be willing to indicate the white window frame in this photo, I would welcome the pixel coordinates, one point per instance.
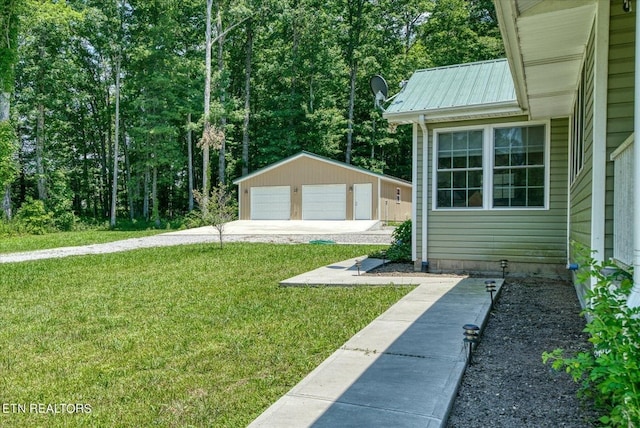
(577, 147)
(488, 163)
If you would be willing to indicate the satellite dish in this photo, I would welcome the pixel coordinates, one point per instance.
(379, 88)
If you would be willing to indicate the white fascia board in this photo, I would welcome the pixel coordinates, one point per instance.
(507, 22)
(457, 113)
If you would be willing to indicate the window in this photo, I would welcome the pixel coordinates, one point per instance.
(460, 169)
(493, 167)
(518, 172)
(577, 126)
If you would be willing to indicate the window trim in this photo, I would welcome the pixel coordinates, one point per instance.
(577, 152)
(488, 164)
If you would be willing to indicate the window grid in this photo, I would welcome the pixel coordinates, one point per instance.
(519, 171)
(511, 171)
(460, 169)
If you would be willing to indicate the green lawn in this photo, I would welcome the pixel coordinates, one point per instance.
(175, 336)
(14, 244)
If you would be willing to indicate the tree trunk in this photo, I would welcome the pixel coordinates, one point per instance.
(127, 167)
(41, 183)
(114, 184)
(5, 107)
(223, 99)
(6, 202)
(190, 161)
(154, 197)
(206, 171)
(352, 97)
(247, 99)
(145, 203)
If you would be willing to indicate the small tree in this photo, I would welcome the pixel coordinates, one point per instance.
(218, 208)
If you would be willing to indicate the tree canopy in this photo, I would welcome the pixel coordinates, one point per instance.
(286, 76)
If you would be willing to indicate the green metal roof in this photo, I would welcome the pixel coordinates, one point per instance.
(456, 92)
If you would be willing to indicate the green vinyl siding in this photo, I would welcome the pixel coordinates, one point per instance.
(620, 93)
(581, 201)
(520, 235)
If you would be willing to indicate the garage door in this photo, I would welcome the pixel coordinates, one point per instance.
(324, 202)
(271, 203)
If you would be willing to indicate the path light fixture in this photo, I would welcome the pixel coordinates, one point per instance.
(504, 264)
(358, 265)
(471, 337)
(490, 285)
(383, 253)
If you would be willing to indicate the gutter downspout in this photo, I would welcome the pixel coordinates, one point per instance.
(414, 194)
(425, 189)
(599, 129)
(634, 298)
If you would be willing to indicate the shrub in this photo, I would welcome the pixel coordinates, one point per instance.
(610, 372)
(33, 217)
(65, 222)
(400, 249)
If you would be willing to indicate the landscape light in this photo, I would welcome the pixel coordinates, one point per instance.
(471, 337)
(504, 264)
(490, 285)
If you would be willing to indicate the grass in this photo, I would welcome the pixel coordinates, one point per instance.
(177, 336)
(14, 244)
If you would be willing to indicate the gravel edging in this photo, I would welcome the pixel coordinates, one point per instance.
(165, 240)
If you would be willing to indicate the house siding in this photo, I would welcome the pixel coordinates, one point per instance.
(581, 203)
(534, 241)
(619, 120)
(620, 90)
(620, 101)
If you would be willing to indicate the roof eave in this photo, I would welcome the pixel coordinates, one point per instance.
(506, 13)
(506, 109)
(310, 155)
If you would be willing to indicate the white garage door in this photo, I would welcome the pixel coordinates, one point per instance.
(324, 202)
(271, 203)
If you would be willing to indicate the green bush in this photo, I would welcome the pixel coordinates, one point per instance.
(400, 249)
(33, 217)
(65, 222)
(610, 372)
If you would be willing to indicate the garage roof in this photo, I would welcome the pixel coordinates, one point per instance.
(463, 91)
(304, 154)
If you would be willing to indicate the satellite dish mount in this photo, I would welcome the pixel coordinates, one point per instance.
(380, 90)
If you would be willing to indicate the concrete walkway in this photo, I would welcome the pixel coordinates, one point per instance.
(402, 370)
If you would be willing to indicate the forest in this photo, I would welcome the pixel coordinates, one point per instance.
(117, 110)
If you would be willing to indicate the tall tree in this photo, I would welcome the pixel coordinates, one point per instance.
(206, 133)
(355, 24)
(8, 57)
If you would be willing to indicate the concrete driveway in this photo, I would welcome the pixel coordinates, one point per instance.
(293, 227)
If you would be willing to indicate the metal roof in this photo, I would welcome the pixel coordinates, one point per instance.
(463, 91)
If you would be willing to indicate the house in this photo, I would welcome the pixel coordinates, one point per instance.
(514, 159)
(306, 186)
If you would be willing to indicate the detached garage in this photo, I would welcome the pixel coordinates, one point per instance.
(311, 187)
